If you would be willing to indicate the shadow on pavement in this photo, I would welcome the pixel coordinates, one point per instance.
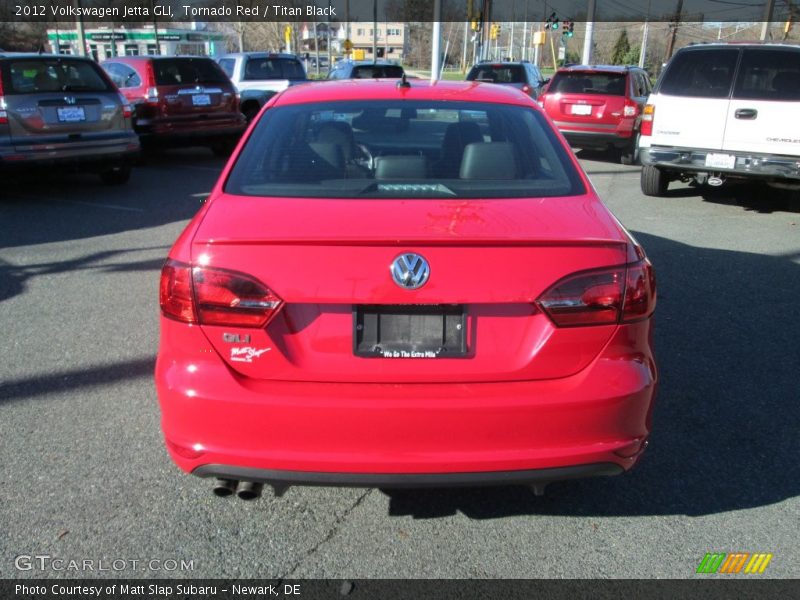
(42, 207)
(725, 424)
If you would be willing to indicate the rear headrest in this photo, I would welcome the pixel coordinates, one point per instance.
(488, 160)
(401, 167)
(328, 152)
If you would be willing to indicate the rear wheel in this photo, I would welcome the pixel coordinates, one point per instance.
(116, 175)
(630, 154)
(654, 181)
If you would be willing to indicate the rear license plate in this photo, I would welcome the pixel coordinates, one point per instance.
(409, 331)
(581, 109)
(720, 161)
(71, 114)
(201, 100)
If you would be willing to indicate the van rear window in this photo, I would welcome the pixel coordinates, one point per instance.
(769, 74)
(700, 73)
(35, 76)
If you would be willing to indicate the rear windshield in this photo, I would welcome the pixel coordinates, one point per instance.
(404, 149)
(769, 74)
(700, 73)
(607, 84)
(273, 68)
(33, 76)
(180, 71)
(497, 73)
(377, 71)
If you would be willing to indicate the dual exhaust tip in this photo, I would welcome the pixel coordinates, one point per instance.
(246, 490)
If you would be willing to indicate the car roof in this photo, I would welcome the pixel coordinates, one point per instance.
(601, 68)
(740, 44)
(259, 55)
(388, 89)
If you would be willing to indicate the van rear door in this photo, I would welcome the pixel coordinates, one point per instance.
(691, 105)
(763, 113)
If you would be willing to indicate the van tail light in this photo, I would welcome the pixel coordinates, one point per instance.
(151, 95)
(526, 88)
(648, 114)
(623, 294)
(631, 109)
(215, 296)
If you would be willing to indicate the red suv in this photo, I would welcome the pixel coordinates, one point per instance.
(599, 107)
(179, 100)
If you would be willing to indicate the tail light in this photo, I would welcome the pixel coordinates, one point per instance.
(215, 296)
(3, 113)
(151, 95)
(623, 294)
(540, 100)
(631, 109)
(127, 111)
(526, 88)
(648, 114)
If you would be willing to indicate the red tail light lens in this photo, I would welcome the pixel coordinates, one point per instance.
(631, 109)
(215, 296)
(648, 114)
(231, 298)
(526, 89)
(175, 292)
(602, 297)
(3, 113)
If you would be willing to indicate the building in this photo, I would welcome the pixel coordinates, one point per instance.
(390, 40)
(107, 42)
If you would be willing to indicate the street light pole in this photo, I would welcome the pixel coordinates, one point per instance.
(437, 39)
(587, 40)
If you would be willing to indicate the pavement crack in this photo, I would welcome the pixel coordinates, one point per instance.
(329, 535)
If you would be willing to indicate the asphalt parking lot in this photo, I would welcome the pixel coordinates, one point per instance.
(85, 474)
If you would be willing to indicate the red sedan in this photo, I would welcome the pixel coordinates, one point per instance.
(404, 284)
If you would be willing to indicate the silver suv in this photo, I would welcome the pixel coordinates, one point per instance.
(724, 111)
(58, 110)
(258, 76)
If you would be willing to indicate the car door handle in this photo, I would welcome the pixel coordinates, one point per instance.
(746, 113)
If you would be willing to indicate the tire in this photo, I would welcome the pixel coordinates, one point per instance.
(630, 154)
(654, 181)
(116, 175)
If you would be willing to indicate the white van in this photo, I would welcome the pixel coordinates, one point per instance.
(723, 111)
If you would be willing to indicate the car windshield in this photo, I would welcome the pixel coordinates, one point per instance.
(273, 68)
(180, 71)
(377, 71)
(32, 76)
(497, 74)
(404, 149)
(607, 84)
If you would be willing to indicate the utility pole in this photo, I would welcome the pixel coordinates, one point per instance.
(768, 10)
(674, 25)
(437, 40)
(587, 40)
(374, 31)
(316, 48)
(82, 34)
(466, 40)
(645, 31)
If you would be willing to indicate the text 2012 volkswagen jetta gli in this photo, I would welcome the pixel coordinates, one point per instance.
(399, 284)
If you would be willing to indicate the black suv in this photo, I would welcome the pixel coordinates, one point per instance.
(522, 75)
(58, 110)
(365, 69)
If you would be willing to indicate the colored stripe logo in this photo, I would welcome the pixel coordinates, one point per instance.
(736, 562)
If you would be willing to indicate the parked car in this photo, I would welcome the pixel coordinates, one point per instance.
(724, 112)
(63, 111)
(366, 69)
(521, 75)
(260, 75)
(179, 101)
(599, 107)
(438, 303)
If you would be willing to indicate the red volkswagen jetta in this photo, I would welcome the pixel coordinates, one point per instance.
(404, 284)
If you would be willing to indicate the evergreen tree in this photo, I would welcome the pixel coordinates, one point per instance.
(621, 48)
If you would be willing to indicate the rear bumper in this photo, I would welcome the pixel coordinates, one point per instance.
(218, 423)
(198, 132)
(747, 164)
(283, 479)
(596, 136)
(75, 154)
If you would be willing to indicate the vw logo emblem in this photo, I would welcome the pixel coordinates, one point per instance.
(410, 271)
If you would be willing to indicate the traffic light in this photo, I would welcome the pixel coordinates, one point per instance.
(552, 22)
(787, 27)
(495, 31)
(567, 29)
(477, 22)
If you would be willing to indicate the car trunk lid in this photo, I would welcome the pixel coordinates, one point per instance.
(488, 259)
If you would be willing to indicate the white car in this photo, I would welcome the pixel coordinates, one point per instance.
(724, 111)
(258, 76)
